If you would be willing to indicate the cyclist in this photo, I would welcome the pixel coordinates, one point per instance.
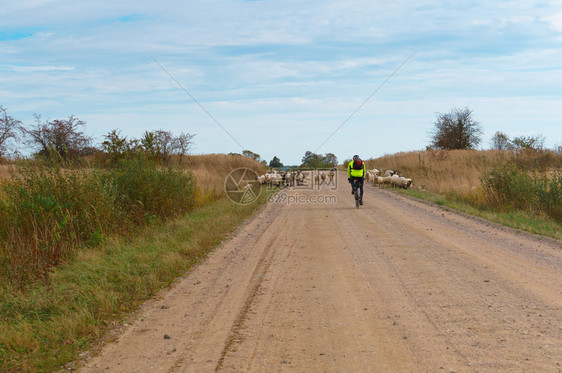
(356, 171)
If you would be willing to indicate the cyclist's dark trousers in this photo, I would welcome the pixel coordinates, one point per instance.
(361, 179)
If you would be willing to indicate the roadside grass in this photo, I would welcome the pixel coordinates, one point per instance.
(210, 171)
(48, 324)
(538, 224)
(6, 171)
(521, 189)
(459, 171)
(49, 213)
(50, 209)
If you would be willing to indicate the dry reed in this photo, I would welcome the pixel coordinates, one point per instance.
(211, 170)
(6, 171)
(455, 171)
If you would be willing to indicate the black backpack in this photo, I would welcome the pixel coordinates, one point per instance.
(358, 165)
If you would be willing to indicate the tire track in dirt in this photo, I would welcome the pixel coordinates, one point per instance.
(235, 335)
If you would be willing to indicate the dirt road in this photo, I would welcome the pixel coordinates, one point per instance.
(397, 286)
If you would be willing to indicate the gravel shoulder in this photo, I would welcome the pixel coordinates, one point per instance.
(398, 285)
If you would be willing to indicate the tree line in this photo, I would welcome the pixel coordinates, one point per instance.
(458, 129)
(65, 138)
(310, 160)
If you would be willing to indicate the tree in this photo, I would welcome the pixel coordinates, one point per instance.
(500, 141)
(314, 160)
(158, 146)
(528, 142)
(250, 154)
(330, 160)
(60, 135)
(8, 130)
(149, 145)
(115, 146)
(183, 144)
(275, 163)
(166, 144)
(456, 130)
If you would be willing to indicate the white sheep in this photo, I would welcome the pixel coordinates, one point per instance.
(387, 180)
(317, 179)
(390, 172)
(331, 175)
(267, 177)
(404, 182)
(276, 179)
(367, 176)
(299, 177)
(394, 180)
(290, 179)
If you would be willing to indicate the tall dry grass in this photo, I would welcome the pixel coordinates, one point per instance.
(211, 170)
(6, 171)
(459, 171)
(49, 211)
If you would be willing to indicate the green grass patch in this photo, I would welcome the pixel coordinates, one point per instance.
(48, 323)
(541, 224)
(50, 212)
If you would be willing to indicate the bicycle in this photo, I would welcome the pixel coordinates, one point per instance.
(355, 186)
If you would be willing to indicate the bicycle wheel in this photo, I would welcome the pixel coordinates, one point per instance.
(356, 197)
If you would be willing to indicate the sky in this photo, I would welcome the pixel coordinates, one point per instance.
(281, 78)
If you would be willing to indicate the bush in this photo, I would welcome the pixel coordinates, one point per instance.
(146, 191)
(48, 211)
(508, 188)
(549, 195)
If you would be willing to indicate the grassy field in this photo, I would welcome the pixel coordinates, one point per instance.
(210, 171)
(47, 321)
(521, 190)
(6, 171)
(458, 171)
(522, 220)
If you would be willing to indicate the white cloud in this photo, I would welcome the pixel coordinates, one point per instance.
(555, 21)
(31, 69)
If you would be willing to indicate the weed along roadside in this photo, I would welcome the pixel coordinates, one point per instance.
(540, 225)
(522, 190)
(51, 317)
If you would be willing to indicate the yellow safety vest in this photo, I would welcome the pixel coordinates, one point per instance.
(353, 172)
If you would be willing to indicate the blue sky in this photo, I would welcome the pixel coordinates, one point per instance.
(281, 76)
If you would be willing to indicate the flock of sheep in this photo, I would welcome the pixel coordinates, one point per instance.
(298, 177)
(390, 177)
(319, 177)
